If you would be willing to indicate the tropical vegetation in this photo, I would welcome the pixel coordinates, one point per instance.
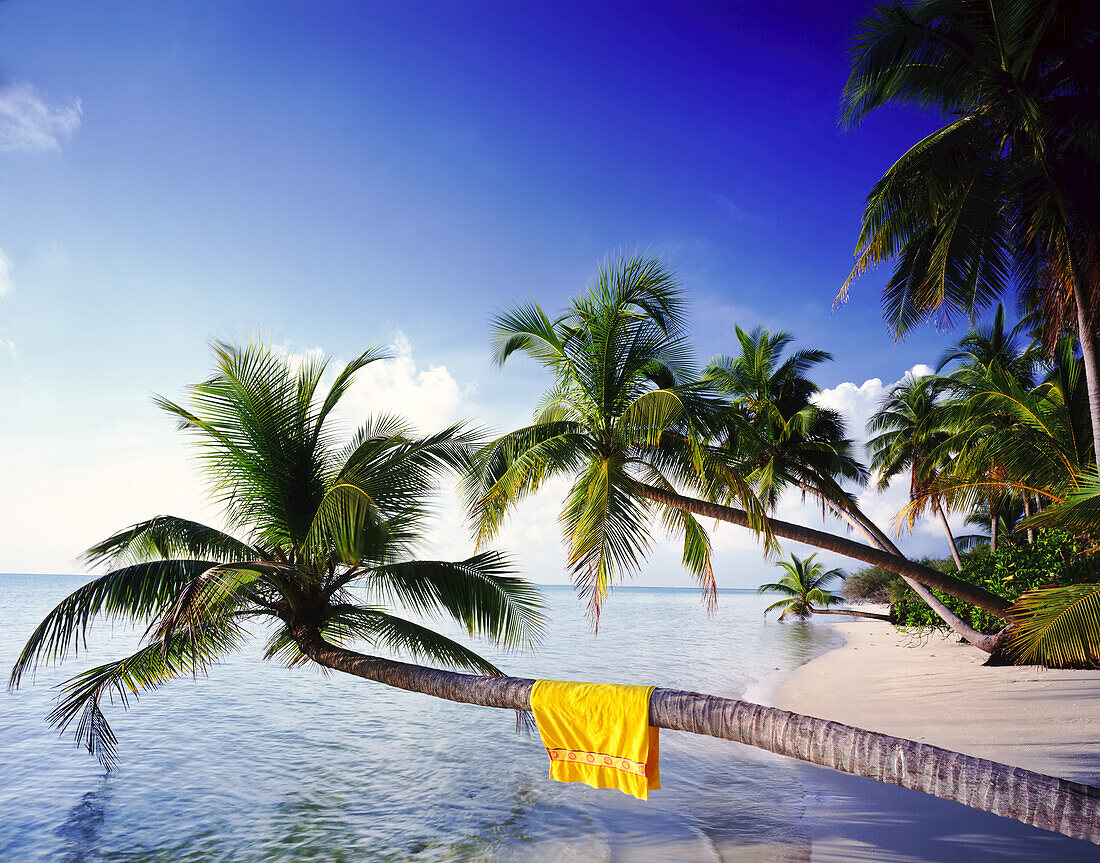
(321, 534)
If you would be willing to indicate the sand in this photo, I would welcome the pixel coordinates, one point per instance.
(937, 691)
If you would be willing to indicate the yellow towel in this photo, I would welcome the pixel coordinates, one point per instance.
(598, 734)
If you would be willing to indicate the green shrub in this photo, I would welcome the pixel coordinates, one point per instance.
(1055, 558)
(875, 584)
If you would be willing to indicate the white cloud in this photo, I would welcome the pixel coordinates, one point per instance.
(7, 285)
(10, 345)
(30, 124)
(429, 398)
(856, 403)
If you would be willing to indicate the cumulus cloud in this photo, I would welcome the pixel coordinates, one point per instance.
(30, 124)
(856, 402)
(6, 283)
(430, 398)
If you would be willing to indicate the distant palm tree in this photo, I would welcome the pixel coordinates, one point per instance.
(908, 429)
(805, 588)
(1004, 195)
(779, 438)
(323, 532)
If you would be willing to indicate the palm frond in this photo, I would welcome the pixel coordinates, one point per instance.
(347, 623)
(134, 593)
(482, 593)
(1058, 626)
(165, 537)
(151, 666)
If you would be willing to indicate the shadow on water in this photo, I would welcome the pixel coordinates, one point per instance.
(82, 829)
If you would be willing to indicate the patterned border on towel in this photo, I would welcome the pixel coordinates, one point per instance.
(597, 759)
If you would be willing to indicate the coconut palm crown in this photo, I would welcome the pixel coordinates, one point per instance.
(804, 586)
(779, 437)
(1003, 196)
(319, 544)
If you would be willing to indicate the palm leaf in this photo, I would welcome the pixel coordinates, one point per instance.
(482, 593)
(148, 668)
(1058, 627)
(166, 537)
(133, 593)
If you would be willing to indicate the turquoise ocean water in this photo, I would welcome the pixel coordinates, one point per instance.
(258, 763)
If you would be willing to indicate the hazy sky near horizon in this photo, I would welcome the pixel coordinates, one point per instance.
(335, 174)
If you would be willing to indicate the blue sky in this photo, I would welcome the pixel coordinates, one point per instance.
(330, 175)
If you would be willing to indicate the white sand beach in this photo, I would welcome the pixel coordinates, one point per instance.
(938, 691)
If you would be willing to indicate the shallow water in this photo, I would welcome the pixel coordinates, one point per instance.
(258, 762)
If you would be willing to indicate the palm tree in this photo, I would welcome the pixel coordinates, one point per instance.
(779, 438)
(776, 435)
(626, 420)
(805, 587)
(328, 527)
(907, 428)
(1014, 440)
(320, 539)
(979, 351)
(1004, 194)
(982, 347)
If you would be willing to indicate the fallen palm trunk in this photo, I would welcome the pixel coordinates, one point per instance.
(851, 612)
(1047, 802)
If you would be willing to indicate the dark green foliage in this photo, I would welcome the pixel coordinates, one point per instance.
(1055, 559)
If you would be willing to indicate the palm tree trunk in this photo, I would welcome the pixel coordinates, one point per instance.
(854, 517)
(1027, 515)
(877, 539)
(1047, 802)
(925, 575)
(1087, 338)
(993, 531)
(950, 536)
(870, 615)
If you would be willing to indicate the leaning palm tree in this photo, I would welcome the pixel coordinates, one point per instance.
(320, 542)
(626, 421)
(1004, 195)
(805, 588)
(908, 430)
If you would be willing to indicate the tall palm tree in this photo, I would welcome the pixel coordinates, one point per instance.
(907, 428)
(977, 353)
(805, 587)
(627, 422)
(1003, 195)
(1030, 437)
(320, 541)
(982, 347)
